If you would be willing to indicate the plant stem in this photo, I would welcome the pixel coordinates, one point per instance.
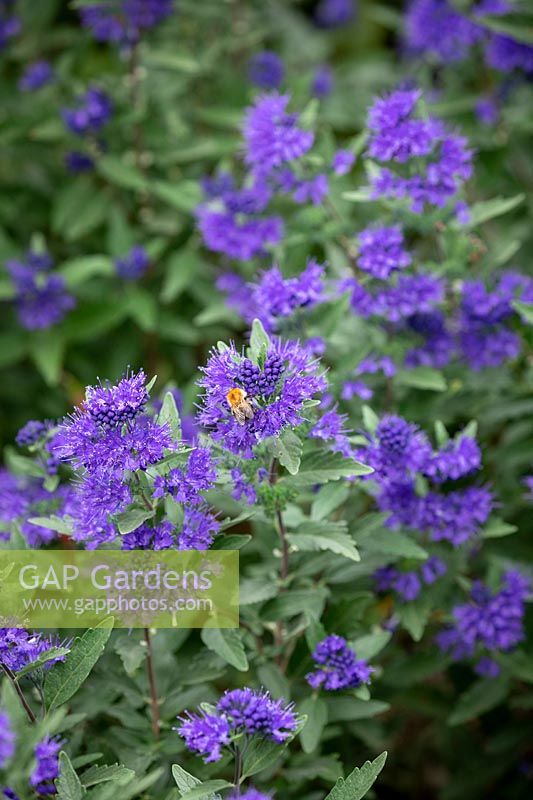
(13, 678)
(237, 772)
(152, 684)
(282, 532)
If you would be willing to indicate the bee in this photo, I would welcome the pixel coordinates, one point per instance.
(239, 405)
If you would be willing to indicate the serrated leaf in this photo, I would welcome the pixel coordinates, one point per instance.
(68, 784)
(323, 466)
(206, 790)
(329, 498)
(287, 449)
(358, 782)
(323, 536)
(169, 415)
(316, 711)
(184, 780)
(117, 773)
(226, 643)
(131, 519)
(64, 679)
(479, 698)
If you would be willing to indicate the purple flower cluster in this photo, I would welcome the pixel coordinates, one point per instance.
(109, 437)
(9, 24)
(250, 794)
(409, 295)
(274, 392)
(23, 497)
(36, 76)
(93, 111)
(7, 739)
(122, 21)
(47, 767)
(337, 666)
(507, 55)
(238, 713)
(334, 13)
(382, 251)
(322, 84)
(489, 622)
(41, 298)
(233, 221)
(400, 138)
(133, 265)
(272, 135)
(19, 647)
(266, 70)
(408, 584)
(400, 455)
(273, 297)
(438, 29)
(371, 365)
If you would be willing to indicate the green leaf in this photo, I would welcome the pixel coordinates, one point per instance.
(287, 449)
(169, 415)
(414, 616)
(366, 647)
(68, 784)
(121, 174)
(482, 696)
(525, 310)
(44, 658)
(116, 773)
(347, 709)
(392, 543)
(47, 351)
(260, 754)
(184, 196)
(184, 780)
(422, 378)
(79, 270)
(497, 528)
(53, 524)
(324, 536)
(370, 419)
(206, 790)
(79, 208)
(357, 784)
(226, 643)
(131, 519)
(323, 466)
(64, 679)
(489, 209)
(181, 268)
(259, 343)
(316, 711)
(329, 498)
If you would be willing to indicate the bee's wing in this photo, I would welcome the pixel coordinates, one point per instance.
(247, 410)
(239, 414)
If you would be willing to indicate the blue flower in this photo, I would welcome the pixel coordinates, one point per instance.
(337, 666)
(36, 76)
(266, 70)
(7, 739)
(92, 112)
(133, 265)
(46, 771)
(238, 713)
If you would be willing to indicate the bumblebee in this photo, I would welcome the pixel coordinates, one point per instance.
(239, 405)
